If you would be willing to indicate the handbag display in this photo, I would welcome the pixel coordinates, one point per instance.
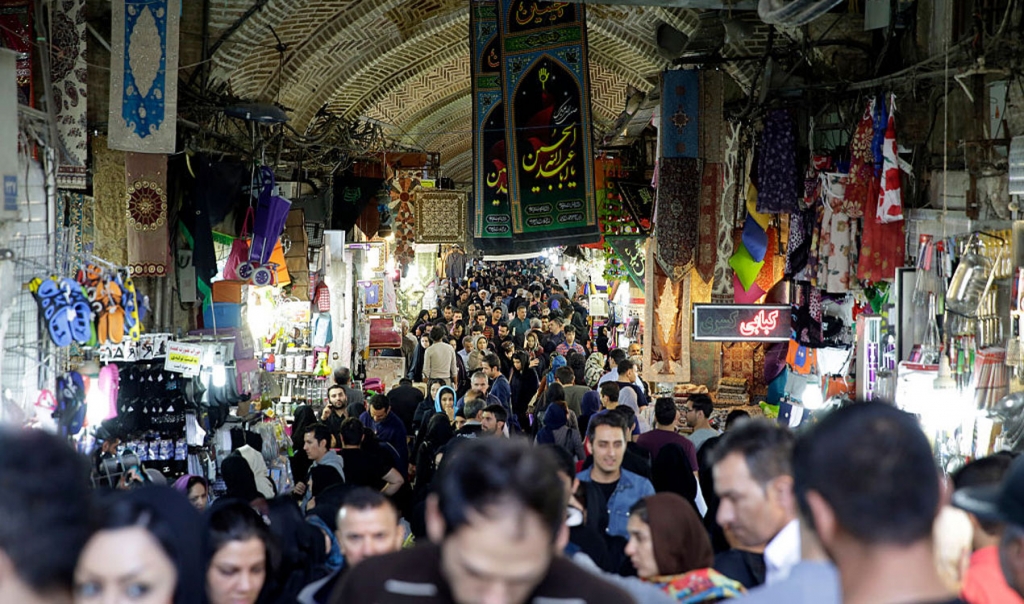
(239, 250)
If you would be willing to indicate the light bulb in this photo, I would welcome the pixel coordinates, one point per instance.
(812, 398)
(218, 375)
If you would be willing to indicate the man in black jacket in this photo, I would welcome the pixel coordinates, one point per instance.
(496, 526)
(404, 400)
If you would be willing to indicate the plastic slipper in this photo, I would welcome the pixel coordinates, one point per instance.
(132, 322)
(54, 306)
(115, 314)
(80, 311)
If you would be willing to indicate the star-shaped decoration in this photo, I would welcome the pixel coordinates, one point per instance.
(680, 119)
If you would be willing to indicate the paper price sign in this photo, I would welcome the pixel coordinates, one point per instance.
(183, 358)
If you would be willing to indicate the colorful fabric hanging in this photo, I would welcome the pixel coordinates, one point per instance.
(707, 224)
(858, 189)
(776, 166)
(890, 194)
(143, 112)
(677, 215)
(882, 245)
(545, 85)
(146, 201)
(838, 245)
(668, 318)
(68, 67)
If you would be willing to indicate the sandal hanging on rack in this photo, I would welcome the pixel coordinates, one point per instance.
(54, 306)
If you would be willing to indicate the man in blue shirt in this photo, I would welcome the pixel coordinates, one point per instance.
(621, 488)
(389, 429)
(500, 388)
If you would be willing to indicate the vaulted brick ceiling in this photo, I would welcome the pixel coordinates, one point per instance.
(406, 63)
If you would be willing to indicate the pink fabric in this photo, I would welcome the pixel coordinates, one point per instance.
(741, 296)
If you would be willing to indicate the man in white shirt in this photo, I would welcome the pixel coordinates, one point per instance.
(752, 469)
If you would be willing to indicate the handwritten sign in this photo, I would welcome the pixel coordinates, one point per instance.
(741, 322)
(183, 358)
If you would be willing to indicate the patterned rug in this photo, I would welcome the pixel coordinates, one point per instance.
(67, 63)
(713, 132)
(144, 75)
(441, 216)
(680, 113)
(667, 310)
(707, 225)
(733, 182)
(677, 215)
(405, 233)
(108, 189)
(146, 197)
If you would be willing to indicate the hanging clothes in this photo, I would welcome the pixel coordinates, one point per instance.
(776, 165)
(890, 194)
(882, 245)
(837, 251)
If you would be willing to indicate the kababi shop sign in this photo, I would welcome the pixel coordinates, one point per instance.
(741, 322)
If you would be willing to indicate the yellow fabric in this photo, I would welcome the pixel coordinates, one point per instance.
(761, 219)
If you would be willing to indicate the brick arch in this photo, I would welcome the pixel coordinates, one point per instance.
(377, 65)
(460, 167)
(452, 118)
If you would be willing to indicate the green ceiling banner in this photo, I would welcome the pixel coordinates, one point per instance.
(546, 90)
(631, 251)
(492, 216)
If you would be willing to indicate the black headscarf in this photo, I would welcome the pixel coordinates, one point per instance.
(170, 518)
(324, 477)
(238, 478)
(304, 418)
(671, 472)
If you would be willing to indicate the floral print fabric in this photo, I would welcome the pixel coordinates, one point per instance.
(776, 165)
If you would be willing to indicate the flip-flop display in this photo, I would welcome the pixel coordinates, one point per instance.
(65, 309)
(93, 308)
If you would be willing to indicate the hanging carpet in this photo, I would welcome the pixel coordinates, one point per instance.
(146, 199)
(68, 68)
(440, 216)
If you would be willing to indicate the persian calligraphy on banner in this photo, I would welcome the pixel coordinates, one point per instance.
(632, 251)
(546, 92)
(144, 75)
(492, 215)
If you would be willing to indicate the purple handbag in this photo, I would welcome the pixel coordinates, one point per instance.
(271, 214)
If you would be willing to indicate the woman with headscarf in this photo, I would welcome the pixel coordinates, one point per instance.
(589, 405)
(301, 553)
(602, 340)
(240, 481)
(416, 367)
(671, 473)
(532, 347)
(237, 553)
(146, 549)
(299, 461)
(670, 548)
(523, 384)
(421, 319)
(436, 435)
(196, 488)
(426, 407)
(477, 356)
(559, 431)
(594, 369)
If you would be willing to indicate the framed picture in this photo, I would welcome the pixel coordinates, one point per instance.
(378, 255)
(374, 292)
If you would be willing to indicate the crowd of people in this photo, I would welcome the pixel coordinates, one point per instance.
(551, 476)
